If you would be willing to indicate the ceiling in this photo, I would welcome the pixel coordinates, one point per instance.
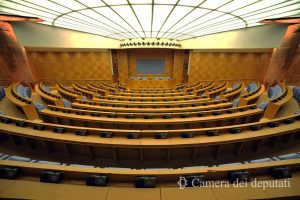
(174, 19)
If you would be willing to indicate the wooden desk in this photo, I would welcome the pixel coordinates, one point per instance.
(251, 98)
(204, 101)
(232, 94)
(120, 148)
(153, 124)
(32, 189)
(150, 98)
(25, 104)
(53, 99)
(200, 90)
(89, 93)
(190, 88)
(103, 92)
(68, 94)
(173, 102)
(276, 103)
(158, 94)
(105, 87)
(162, 175)
(153, 115)
(212, 93)
(150, 83)
(151, 109)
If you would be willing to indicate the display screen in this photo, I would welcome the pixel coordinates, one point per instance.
(150, 66)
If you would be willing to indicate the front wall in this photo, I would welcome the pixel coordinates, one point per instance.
(178, 65)
(122, 65)
(64, 65)
(206, 66)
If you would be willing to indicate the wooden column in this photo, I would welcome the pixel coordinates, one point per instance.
(282, 56)
(14, 56)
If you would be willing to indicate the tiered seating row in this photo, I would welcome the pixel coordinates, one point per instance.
(138, 178)
(47, 96)
(234, 93)
(184, 120)
(209, 105)
(151, 115)
(118, 144)
(67, 93)
(162, 104)
(24, 104)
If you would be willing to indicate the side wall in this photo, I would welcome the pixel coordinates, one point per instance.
(69, 66)
(226, 65)
(265, 36)
(39, 35)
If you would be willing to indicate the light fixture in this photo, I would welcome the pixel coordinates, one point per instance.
(172, 19)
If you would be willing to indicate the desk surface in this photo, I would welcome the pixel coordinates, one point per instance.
(147, 110)
(199, 140)
(192, 119)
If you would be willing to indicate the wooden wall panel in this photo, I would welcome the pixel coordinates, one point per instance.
(123, 65)
(166, 54)
(178, 65)
(70, 65)
(237, 65)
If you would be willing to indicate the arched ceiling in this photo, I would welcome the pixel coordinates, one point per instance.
(174, 19)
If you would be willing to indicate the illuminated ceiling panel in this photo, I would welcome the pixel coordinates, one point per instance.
(174, 19)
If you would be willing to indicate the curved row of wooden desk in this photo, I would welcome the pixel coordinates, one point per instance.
(167, 122)
(48, 97)
(232, 94)
(157, 103)
(213, 92)
(99, 90)
(150, 115)
(276, 103)
(200, 90)
(68, 94)
(163, 94)
(24, 104)
(163, 176)
(105, 87)
(87, 92)
(138, 90)
(146, 109)
(190, 88)
(252, 97)
(250, 137)
(150, 98)
(151, 104)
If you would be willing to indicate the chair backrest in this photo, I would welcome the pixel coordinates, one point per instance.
(67, 104)
(251, 87)
(2, 92)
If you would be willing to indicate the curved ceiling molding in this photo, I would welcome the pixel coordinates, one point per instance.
(172, 19)
(150, 43)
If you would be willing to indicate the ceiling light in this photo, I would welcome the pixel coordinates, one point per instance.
(177, 19)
